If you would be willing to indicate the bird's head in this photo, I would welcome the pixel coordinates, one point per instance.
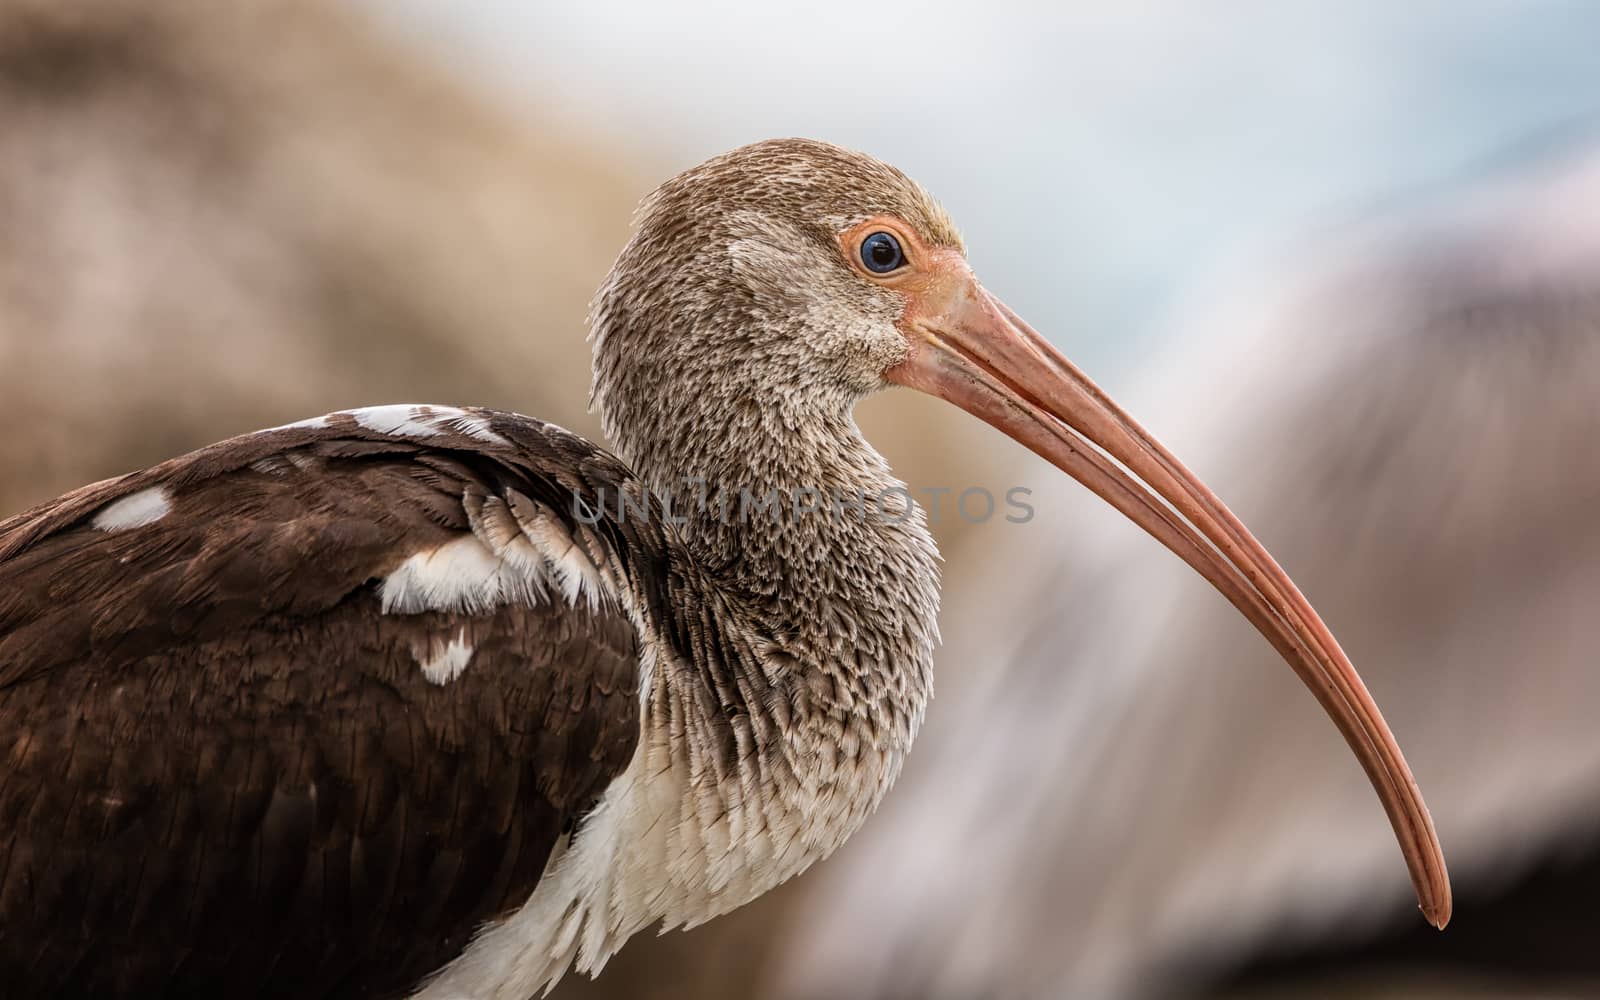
(781, 272)
(777, 284)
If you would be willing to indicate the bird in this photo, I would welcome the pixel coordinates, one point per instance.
(439, 701)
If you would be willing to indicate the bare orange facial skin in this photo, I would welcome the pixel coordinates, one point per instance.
(917, 253)
(933, 280)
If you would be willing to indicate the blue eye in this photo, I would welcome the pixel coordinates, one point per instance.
(881, 254)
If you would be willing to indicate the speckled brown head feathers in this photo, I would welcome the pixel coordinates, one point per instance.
(734, 297)
(816, 186)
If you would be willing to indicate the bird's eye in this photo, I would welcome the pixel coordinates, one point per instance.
(881, 254)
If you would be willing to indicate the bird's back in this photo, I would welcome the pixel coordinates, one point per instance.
(255, 743)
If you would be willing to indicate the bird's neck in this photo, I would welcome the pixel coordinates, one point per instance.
(800, 519)
(770, 503)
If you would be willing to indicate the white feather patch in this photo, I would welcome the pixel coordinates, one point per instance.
(473, 425)
(446, 661)
(422, 421)
(462, 575)
(134, 510)
(402, 419)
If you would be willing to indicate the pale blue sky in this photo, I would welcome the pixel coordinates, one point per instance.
(1105, 158)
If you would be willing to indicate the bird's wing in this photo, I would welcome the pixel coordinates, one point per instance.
(294, 714)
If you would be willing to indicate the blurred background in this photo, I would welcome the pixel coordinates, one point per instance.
(1343, 257)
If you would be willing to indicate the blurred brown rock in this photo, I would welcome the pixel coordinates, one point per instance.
(222, 216)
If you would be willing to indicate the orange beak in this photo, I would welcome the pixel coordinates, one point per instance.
(970, 349)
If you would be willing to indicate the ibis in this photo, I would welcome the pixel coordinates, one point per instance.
(445, 702)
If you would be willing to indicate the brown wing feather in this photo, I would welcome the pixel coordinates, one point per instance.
(226, 773)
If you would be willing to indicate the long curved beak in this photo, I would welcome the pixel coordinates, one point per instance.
(970, 349)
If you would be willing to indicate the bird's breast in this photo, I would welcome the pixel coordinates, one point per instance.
(712, 812)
